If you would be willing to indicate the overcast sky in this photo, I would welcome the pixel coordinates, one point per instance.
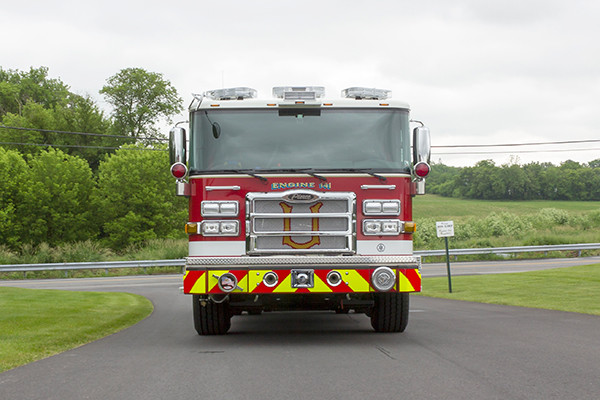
(475, 71)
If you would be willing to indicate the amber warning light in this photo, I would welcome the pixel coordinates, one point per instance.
(178, 170)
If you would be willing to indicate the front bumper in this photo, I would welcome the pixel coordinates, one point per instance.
(203, 273)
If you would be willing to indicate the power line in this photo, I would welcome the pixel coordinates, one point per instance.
(18, 128)
(517, 144)
(79, 146)
(514, 152)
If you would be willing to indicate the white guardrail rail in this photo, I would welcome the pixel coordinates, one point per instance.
(106, 265)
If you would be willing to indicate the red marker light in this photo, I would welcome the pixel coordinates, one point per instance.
(178, 170)
(422, 169)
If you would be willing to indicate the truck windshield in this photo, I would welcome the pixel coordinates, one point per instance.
(292, 139)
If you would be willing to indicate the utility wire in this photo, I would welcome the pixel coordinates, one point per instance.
(80, 146)
(79, 133)
(513, 152)
(517, 144)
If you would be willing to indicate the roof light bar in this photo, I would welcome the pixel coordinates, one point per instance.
(361, 93)
(237, 93)
(299, 92)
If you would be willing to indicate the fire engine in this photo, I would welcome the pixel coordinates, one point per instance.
(300, 202)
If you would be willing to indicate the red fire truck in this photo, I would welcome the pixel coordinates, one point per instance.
(300, 202)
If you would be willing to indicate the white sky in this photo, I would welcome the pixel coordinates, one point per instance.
(476, 72)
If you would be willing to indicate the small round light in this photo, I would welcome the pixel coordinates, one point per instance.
(383, 279)
(334, 278)
(178, 170)
(422, 169)
(227, 282)
(270, 279)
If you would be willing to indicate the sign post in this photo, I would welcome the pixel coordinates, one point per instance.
(445, 229)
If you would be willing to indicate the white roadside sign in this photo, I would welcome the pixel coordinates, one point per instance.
(444, 228)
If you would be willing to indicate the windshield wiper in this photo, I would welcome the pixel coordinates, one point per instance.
(365, 171)
(249, 172)
(226, 171)
(312, 173)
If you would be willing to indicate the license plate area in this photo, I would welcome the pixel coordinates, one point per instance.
(303, 278)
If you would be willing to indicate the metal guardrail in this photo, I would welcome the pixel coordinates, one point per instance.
(509, 250)
(91, 265)
(181, 262)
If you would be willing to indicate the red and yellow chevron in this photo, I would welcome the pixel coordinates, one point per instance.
(251, 281)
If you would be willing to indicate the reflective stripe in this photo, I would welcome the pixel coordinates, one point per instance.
(353, 281)
(409, 280)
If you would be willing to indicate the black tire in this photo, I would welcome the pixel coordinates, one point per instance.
(211, 318)
(390, 312)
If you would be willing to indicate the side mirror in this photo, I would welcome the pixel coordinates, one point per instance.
(421, 145)
(177, 145)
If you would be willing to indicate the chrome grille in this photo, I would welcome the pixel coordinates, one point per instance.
(300, 221)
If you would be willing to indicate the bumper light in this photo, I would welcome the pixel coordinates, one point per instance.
(334, 278)
(383, 279)
(270, 279)
(227, 282)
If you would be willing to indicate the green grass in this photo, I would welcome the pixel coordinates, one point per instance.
(36, 324)
(442, 208)
(575, 289)
(479, 223)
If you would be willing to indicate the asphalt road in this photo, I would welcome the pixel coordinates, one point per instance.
(450, 350)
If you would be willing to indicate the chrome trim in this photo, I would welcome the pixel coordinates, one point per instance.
(388, 187)
(411, 262)
(211, 188)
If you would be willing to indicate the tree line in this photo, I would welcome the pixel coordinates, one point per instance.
(70, 173)
(37, 110)
(534, 181)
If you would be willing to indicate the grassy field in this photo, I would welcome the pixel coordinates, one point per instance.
(479, 223)
(36, 324)
(448, 208)
(575, 289)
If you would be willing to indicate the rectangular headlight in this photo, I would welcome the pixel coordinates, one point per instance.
(219, 208)
(220, 228)
(381, 207)
(371, 227)
(382, 227)
(210, 228)
(229, 228)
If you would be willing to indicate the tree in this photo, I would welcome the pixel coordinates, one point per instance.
(140, 99)
(57, 199)
(14, 175)
(17, 88)
(135, 198)
(32, 100)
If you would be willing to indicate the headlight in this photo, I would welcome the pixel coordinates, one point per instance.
(220, 228)
(382, 227)
(219, 208)
(381, 207)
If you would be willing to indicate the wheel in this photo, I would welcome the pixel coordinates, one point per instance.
(211, 318)
(390, 312)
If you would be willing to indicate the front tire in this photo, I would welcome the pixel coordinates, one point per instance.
(390, 312)
(211, 318)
